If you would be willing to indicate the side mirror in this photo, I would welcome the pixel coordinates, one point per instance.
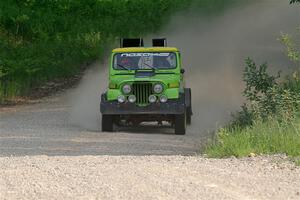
(182, 71)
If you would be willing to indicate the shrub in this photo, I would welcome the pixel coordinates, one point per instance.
(266, 97)
(268, 123)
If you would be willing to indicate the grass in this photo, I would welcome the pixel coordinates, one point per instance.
(270, 137)
(269, 123)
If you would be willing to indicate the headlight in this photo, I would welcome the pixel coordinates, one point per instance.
(131, 98)
(121, 99)
(158, 88)
(126, 89)
(152, 98)
(163, 98)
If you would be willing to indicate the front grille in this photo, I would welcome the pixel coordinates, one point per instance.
(142, 91)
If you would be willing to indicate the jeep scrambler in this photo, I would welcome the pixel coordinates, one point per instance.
(146, 84)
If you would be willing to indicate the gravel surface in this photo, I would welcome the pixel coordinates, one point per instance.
(43, 156)
(147, 177)
(45, 129)
(49, 150)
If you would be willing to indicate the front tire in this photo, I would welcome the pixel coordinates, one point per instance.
(188, 103)
(188, 117)
(180, 124)
(107, 123)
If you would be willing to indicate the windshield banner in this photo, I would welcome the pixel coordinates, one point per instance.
(144, 54)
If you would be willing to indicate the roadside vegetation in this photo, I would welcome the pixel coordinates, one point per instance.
(45, 40)
(269, 122)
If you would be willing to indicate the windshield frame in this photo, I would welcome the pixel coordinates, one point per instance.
(154, 68)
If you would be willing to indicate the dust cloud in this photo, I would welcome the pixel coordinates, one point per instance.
(85, 99)
(213, 52)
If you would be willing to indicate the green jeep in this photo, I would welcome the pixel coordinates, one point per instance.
(146, 84)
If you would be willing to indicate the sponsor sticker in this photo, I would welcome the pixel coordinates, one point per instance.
(144, 54)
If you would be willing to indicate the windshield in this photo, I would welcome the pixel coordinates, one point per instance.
(134, 61)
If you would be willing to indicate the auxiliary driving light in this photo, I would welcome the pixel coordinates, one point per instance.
(121, 99)
(131, 98)
(158, 88)
(163, 98)
(126, 89)
(152, 98)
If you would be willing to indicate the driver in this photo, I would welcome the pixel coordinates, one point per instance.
(125, 61)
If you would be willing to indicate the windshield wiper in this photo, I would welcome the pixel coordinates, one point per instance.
(123, 67)
(126, 68)
(153, 68)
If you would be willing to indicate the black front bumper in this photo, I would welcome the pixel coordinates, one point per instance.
(115, 108)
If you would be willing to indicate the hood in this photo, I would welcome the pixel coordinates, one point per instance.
(143, 76)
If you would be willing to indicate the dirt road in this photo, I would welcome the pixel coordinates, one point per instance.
(54, 149)
(45, 129)
(43, 156)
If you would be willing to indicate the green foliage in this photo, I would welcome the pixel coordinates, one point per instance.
(268, 123)
(266, 97)
(293, 52)
(292, 46)
(43, 40)
(268, 137)
(257, 80)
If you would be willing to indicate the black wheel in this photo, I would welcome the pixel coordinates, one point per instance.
(107, 123)
(188, 103)
(188, 118)
(180, 124)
